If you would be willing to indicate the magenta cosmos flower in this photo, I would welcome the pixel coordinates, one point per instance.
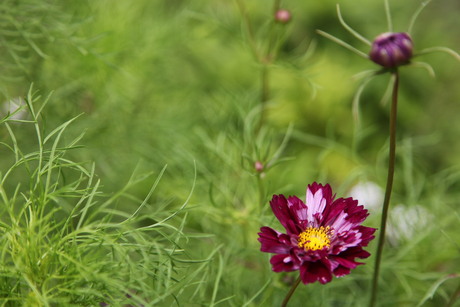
(323, 237)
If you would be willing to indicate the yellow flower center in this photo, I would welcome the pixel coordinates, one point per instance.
(315, 238)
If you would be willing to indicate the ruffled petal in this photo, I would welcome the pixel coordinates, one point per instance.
(349, 238)
(356, 213)
(326, 190)
(318, 197)
(354, 252)
(335, 215)
(315, 271)
(344, 214)
(367, 234)
(273, 241)
(280, 207)
(347, 263)
(298, 211)
(283, 263)
(341, 271)
(346, 260)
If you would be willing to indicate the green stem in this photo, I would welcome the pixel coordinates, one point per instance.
(454, 297)
(249, 30)
(264, 93)
(267, 59)
(261, 191)
(276, 6)
(386, 201)
(288, 296)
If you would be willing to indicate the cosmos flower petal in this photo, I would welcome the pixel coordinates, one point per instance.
(282, 211)
(335, 213)
(326, 190)
(315, 271)
(354, 252)
(318, 196)
(283, 263)
(346, 263)
(345, 214)
(367, 234)
(341, 271)
(298, 208)
(340, 223)
(357, 214)
(273, 241)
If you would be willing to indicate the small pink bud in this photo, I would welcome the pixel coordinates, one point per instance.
(259, 166)
(391, 49)
(283, 16)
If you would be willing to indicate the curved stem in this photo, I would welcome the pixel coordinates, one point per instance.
(342, 43)
(288, 296)
(439, 49)
(350, 29)
(389, 186)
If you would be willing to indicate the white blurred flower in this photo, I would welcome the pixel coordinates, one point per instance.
(11, 106)
(368, 194)
(405, 223)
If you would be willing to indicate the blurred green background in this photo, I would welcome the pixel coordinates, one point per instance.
(175, 83)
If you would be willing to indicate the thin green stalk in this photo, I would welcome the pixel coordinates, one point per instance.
(249, 30)
(389, 187)
(388, 15)
(271, 32)
(276, 6)
(264, 93)
(262, 59)
(265, 61)
(261, 189)
(454, 297)
(288, 296)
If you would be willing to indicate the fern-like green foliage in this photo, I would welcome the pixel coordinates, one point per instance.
(63, 242)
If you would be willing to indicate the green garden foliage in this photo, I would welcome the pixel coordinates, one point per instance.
(141, 143)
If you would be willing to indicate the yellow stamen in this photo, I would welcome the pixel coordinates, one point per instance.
(315, 238)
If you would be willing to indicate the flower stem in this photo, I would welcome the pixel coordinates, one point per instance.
(265, 60)
(249, 30)
(288, 296)
(276, 6)
(260, 186)
(264, 93)
(389, 186)
(454, 297)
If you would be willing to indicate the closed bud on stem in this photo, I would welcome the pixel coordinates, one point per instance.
(259, 166)
(391, 49)
(282, 16)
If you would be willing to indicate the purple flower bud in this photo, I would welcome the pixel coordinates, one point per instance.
(391, 49)
(283, 16)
